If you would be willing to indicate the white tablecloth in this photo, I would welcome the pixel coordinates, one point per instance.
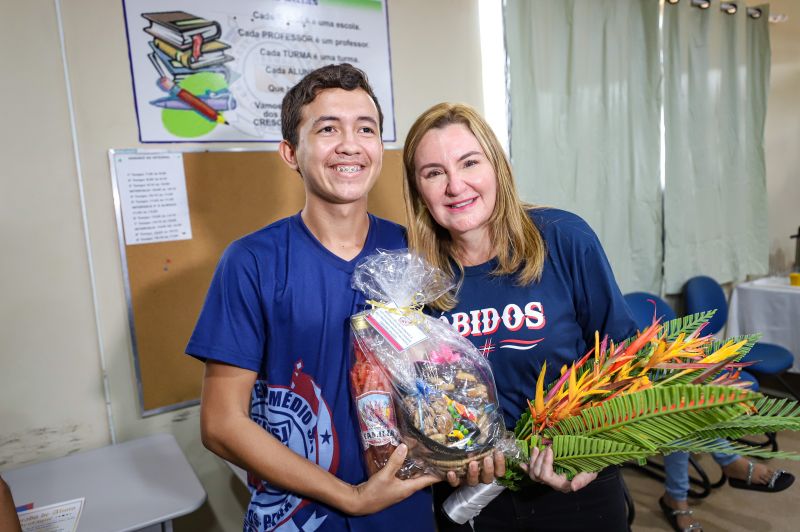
(769, 306)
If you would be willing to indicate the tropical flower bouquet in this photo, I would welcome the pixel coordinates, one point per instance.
(667, 389)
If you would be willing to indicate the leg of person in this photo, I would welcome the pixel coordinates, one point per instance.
(676, 487)
(725, 459)
(744, 473)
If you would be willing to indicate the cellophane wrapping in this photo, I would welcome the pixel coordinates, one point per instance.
(415, 379)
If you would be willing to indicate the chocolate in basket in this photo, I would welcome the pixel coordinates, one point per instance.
(443, 398)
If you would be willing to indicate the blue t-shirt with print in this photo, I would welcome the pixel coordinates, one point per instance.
(279, 304)
(552, 320)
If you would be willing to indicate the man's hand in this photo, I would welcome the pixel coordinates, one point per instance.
(384, 489)
(541, 470)
(493, 467)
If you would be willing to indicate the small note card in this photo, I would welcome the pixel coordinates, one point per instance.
(59, 517)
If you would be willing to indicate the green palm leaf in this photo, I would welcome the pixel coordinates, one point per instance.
(777, 407)
(704, 445)
(656, 416)
(739, 428)
(773, 415)
(686, 325)
(573, 454)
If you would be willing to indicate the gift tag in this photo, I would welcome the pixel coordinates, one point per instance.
(398, 330)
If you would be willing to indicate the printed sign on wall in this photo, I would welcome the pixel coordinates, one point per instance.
(207, 71)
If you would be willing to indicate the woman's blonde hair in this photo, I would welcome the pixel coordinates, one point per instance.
(516, 242)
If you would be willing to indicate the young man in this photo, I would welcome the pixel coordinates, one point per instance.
(274, 330)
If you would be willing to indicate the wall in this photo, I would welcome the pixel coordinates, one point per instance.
(51, 393)
(782, 137)
(52, 334)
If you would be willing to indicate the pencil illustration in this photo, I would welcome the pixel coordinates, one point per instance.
(219, 101)
(167, 85)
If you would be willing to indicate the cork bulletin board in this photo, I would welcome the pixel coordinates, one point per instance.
(229, 194)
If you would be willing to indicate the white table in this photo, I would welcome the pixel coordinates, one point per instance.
(128, 486)
(770, 306)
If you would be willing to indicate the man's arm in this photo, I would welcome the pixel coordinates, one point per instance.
(228, 431)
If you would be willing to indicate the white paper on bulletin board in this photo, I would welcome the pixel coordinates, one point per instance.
(152, 197)
(248, 54)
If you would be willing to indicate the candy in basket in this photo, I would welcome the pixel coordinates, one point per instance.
(416, 380)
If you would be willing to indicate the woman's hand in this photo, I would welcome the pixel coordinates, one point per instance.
(493, 467)
(541, 470)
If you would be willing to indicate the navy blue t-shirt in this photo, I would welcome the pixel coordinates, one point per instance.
(279, 304)
(553, 320)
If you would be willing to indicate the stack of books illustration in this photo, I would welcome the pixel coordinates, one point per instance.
(187, 44)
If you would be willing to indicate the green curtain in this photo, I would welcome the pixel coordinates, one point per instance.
(584, 79)
(716, 74)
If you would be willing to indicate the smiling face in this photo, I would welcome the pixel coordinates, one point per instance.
(339, 148)
(457, 182)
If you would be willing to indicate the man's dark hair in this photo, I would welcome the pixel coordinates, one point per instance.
(344, 76)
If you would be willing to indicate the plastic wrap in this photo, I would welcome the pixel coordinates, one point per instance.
(437, 394)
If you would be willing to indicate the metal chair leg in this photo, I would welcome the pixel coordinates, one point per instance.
(770, 441)
(656, 470)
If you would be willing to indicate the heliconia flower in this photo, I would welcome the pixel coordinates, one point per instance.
(538, 401)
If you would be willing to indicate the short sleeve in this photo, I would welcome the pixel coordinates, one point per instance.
(231, 327)
(599, 302)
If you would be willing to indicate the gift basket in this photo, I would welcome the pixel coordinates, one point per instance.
(416, 380)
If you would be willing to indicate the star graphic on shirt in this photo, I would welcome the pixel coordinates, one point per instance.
(326, 438)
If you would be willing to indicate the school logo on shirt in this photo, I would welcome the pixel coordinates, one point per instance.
(298, 416)
(488, 321)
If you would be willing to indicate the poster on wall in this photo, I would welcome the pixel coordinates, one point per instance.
(209, 71)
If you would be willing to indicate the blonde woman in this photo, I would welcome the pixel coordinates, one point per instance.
(533, 286)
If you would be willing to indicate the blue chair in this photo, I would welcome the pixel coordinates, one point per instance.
(643, 305)
(703, 293)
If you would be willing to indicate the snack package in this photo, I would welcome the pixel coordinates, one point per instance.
(416, 380)
(373, 397)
